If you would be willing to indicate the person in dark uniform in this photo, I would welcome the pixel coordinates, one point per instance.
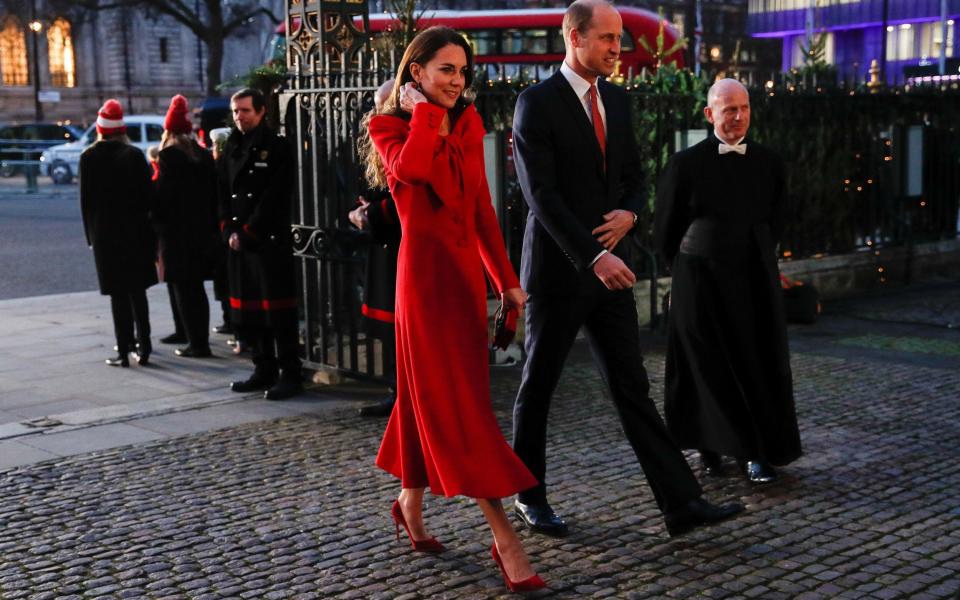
(379, 218)
(728, 388)
(115, 199)
(255, 184)
(377, 215)
(185, 216)
(578, 167)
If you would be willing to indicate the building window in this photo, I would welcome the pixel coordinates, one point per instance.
(13, 53)
(60, 54)
(163, 50)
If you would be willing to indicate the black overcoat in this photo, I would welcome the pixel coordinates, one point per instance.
(185, 214)
(115, 199)
(728, 381)
(255, 177)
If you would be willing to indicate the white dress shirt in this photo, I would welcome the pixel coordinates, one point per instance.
(581, 87)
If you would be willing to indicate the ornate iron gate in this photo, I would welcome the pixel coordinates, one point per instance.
(333, 75)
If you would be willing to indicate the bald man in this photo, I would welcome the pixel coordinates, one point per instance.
(728, 388)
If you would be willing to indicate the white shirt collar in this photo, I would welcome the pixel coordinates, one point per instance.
(580, 85)
(720, 139)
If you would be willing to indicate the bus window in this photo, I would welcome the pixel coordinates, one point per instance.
(626, 42)
(534, 41)
(512, 41)
(556, 41)
(484, 41)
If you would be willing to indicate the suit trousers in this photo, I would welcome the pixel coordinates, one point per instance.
(128, 308)
(609, 319)
(175, 311)
(194, 308)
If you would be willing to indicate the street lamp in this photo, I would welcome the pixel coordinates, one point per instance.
(36, 27)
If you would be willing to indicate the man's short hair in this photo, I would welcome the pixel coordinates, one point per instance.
(255, 95)
(579, 14)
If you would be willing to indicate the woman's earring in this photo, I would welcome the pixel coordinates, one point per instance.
(419, 87)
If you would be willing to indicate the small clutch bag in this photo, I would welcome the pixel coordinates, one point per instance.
(504, 326)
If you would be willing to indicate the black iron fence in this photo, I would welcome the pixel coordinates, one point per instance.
(866, 168)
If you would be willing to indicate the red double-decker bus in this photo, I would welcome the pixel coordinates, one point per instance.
(531, 40)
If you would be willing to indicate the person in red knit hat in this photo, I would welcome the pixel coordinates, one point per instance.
(186, 223)
(115, 198)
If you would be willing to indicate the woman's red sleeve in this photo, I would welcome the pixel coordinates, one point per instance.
(407, 149)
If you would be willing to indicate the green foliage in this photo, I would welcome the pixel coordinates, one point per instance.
(661, 51)
(664, 102)
(815, 71)
(267, 78)
(844, 151)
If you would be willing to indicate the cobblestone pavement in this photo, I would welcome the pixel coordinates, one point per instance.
(293, 508)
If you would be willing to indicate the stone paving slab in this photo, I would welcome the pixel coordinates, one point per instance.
(292, 507)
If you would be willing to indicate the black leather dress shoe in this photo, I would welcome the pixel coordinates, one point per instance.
(757, 471)
(174, 338)
(142, 352)
(256, 382)
(122, 360)
(285, 388)
(223, 329)
(712, 463)
(383, 408)
(191, 352)
(541, 518)
(698, 512)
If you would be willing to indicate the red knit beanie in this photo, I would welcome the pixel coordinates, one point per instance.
(178, 121)
(110, 118)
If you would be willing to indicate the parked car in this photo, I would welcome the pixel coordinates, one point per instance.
(61, 162)
(38, 135)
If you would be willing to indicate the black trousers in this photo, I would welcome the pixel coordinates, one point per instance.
(610, 323)
(275, 345)
(127, 309)
(175, 311)
(194, 308)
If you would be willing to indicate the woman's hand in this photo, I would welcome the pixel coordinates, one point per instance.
(410, 97)
(515, 298)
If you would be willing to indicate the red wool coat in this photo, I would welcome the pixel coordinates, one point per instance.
(442, 433)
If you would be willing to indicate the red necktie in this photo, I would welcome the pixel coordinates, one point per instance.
(598, 123)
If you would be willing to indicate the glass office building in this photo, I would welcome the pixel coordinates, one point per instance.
(855, 31)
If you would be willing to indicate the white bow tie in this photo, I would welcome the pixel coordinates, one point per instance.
(740, 149)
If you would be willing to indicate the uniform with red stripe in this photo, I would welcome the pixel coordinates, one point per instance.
(255, 176)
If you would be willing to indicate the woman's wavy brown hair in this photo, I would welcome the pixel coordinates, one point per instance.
(421, 51)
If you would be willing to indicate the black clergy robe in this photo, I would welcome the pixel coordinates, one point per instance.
(728, 383)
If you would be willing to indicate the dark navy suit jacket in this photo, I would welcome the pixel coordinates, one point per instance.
(561, 171)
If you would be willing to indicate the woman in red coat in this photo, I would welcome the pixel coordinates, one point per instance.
(442, 432)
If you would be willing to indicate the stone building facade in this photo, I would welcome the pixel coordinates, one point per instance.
(84, 57)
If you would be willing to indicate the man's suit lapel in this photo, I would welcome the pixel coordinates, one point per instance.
(582, 126)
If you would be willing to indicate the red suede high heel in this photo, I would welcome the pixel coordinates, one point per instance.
(530, 584)
(429, 545)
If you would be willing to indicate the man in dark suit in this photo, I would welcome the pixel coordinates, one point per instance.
(728, 389)
(579, 170)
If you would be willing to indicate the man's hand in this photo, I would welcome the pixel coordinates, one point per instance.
(234, 242)
(618, 223)
(515, 298)
(613, 272)
(358, 216)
